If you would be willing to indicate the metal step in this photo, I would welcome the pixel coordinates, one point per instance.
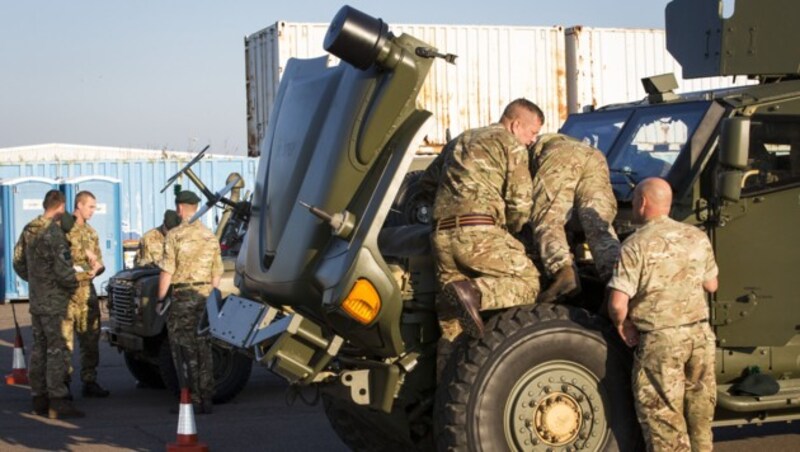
(787, 397)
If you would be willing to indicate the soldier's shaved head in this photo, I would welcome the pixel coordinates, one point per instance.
(523, 119)
(518, 106)
(652, 198)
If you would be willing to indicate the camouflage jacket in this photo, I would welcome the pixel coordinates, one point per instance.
(662, 267)
(83, 237)
(52, 276)
(549, 145)
(29, 233)
(488, 173)
(192, 254)
(151, 248)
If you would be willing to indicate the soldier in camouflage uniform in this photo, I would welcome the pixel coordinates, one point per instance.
(483, 196)
(658, 302)
(42, 257)
(151, 247)
(571, 178)
(192, 264)
(83, 313)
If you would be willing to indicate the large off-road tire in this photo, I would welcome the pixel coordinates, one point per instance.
(544, 377)
(231, 372)
(366, 430)
(145, 372)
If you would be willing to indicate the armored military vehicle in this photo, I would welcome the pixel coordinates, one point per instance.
(335, 299)
(138, 331)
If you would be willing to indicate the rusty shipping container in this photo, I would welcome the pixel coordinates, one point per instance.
(605, 66)
(495, 65)
(562, 70)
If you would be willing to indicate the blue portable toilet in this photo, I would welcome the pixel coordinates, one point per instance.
(107, 219)
(21, 200)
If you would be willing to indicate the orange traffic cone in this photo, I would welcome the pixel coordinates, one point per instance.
(187, 431)
(19, 371)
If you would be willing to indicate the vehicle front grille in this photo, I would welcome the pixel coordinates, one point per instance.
(122, 306)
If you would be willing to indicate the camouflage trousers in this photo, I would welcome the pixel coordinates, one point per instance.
(574, 180)
(49, 357)
(493, 259)
(675, 389)
(83, 319)
(195, 351)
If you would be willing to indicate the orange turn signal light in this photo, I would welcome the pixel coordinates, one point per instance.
(363, 302)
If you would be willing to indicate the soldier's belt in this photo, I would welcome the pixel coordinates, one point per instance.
(470, 219)
(189, 284)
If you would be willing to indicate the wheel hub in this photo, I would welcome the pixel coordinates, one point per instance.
(555, 407)
(557, 419)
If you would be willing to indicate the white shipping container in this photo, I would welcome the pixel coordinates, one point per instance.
(495, 65)
(605, 66)
(563, 71)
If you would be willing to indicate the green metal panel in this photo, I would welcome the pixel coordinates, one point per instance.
(755, 40)
(757, 249)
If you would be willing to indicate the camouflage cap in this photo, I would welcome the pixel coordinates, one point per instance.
(187, 197)
(67, 222)
(171, 219)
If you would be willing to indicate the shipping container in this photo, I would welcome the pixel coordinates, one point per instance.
(606, 65)
(495, 65)
(107, 220)
(563, 71)
(21, 199)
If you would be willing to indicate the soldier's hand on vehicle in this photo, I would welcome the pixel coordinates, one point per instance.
(628, 332)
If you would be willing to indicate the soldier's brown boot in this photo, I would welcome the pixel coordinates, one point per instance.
(41, 405)
(465, 298)
(92, 389)
(63, 409)
(565, 283)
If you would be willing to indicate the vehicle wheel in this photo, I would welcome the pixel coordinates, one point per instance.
(145, 372)
(411, 205)
(366, 430)
(231, 372)
(544, 377)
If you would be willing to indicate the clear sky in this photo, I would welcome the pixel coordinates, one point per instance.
(170, 73)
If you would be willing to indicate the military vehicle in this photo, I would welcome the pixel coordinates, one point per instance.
(337, 301)
(138, 331)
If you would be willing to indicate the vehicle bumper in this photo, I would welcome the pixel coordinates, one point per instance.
(293, 346)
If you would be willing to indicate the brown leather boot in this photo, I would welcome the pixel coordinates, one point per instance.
(465, 298)
(63, 409)
(41, 405)
(565, 283)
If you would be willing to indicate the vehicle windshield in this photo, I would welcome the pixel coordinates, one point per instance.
(639, 142)
(599, 129)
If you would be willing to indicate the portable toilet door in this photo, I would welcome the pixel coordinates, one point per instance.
(107, 220)
(21, 200)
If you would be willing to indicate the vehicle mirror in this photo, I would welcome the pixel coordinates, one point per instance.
(730, 185)
(735, 142)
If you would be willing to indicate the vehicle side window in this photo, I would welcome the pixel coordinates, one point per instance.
(774, 159)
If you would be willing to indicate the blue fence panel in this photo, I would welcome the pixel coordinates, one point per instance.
(141, 205)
